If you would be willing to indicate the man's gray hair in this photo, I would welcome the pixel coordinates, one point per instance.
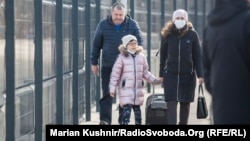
(118, 5)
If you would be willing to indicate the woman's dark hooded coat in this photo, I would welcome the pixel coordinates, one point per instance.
(180, 62)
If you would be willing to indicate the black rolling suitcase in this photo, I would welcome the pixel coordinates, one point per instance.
(156, 109)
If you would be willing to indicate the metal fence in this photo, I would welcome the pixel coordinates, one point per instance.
(45, 55)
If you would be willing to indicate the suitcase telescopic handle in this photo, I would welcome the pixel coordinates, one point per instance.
(153, 99)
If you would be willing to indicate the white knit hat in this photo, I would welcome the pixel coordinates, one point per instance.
(127, 38)
(180, 13)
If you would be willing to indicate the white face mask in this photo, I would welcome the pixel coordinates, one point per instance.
(131, 51)
(179, 23)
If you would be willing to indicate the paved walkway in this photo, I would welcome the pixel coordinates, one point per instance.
(192, 118)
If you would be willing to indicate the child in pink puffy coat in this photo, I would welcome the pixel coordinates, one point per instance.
(128, 75)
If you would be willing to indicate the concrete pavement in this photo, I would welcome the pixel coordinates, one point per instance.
(158, 89)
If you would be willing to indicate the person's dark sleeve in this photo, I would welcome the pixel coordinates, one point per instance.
(163, 55)
(96, 45)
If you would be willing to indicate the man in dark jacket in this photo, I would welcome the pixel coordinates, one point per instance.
(226, 60)
(107, 38)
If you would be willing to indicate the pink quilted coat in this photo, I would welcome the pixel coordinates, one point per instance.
(128, 75)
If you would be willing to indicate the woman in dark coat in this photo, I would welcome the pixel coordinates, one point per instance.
(180, 64)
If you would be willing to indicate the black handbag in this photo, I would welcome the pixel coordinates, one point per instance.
(201, 104)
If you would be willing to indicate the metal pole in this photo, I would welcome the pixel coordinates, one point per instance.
(174, 5)
(132, 7)
(88, 67)
(38, 71)
(75, 60)
(195, 13)
(162, 13)
(186, 5)
(98, 79)
(10, 70)
(149, 38)
(59, 63)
